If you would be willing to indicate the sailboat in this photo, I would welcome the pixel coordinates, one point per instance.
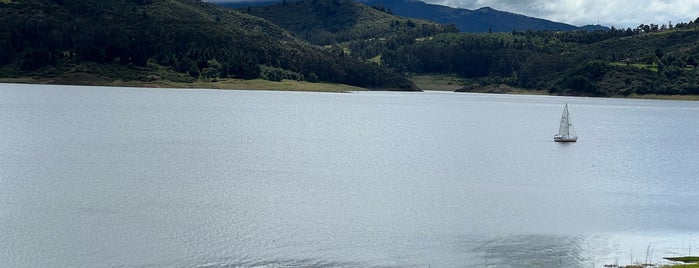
(566, 132)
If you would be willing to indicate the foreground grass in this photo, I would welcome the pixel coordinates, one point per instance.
(684, 265)
(689, 262)
(686, 259)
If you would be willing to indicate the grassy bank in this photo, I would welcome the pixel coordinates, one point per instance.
(688, 262)
(259, 84)
(438, 82)
(684, 265)
(255, 84)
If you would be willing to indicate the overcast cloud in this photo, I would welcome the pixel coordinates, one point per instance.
(617, 13)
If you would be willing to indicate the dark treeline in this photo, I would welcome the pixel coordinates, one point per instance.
(201, 40)
(599, 63)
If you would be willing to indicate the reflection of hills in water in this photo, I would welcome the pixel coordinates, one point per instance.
(578, 251)
(281, 263)
(533, 250)
(508, 251)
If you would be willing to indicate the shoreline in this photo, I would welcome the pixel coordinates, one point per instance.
(224, 84)
(445, 85)
(456, 84)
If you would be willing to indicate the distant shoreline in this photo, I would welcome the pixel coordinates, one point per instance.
(293, 85)
(456, 84)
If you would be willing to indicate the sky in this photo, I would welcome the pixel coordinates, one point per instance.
(617, 13)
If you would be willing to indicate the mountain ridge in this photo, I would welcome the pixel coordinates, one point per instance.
(484, 19)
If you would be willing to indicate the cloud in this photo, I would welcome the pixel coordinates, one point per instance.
(618, 13)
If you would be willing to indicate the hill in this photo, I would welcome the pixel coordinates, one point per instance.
(178, 40)
(250, 3)
(478, 21)
(326, 22)
(598, 63)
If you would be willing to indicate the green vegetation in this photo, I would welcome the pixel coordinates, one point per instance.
(438, 82)
(686, 259)
(325, 22)
(653, 67)
(695, 265)
(689, 262)
(123, 40)
(223, 83)
(602, 63)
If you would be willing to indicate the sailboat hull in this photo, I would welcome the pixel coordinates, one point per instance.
(562, 139)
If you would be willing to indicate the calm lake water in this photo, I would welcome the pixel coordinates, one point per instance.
(124, 177)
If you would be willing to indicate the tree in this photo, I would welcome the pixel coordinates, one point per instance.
(595, 69)
(312, 77)
(193, 71)
(6, 49)
(672, 72)
(579, 83)
(659, 53)
(411, 24)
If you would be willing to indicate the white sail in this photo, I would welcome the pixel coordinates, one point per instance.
(564, 128)
(566, 131)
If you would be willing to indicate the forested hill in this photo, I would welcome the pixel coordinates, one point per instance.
(646, 60)
(180, 39)
(325, 22)
(188, 40)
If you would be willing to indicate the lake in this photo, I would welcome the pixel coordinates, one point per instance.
(127, 177)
